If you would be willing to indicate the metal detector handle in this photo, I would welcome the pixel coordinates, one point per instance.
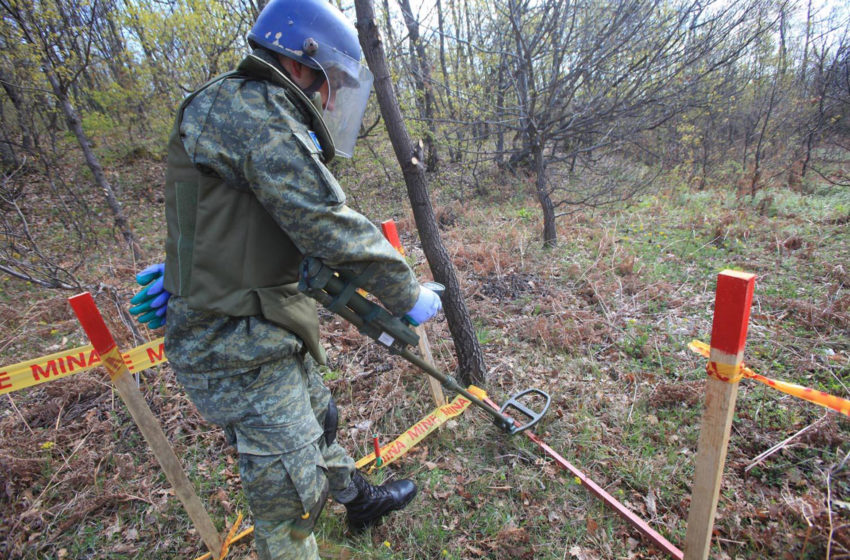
(535, 417)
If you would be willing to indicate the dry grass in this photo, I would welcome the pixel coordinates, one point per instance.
(601, 322)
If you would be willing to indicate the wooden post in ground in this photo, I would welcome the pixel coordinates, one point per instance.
(112, 360)
(391, 233)
(728, 337)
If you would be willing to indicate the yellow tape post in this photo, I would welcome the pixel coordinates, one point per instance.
(818, 397)
(421, 429)
(69, 362)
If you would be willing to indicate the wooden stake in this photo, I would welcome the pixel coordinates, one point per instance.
(728, 338)
(110, 356)
(391, 233)
(425, 352)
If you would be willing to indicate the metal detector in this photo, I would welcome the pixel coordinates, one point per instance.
(337, 291)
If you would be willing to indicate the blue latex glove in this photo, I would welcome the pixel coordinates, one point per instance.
(151, 303)
(426, 307)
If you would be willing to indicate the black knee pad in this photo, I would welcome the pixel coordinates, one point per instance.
(331, 422)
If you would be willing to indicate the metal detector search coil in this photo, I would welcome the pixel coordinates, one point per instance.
(534, 417)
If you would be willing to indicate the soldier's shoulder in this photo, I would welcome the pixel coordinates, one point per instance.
(237, 109)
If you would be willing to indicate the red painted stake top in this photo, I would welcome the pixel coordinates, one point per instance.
(378, 459)
(391, 233)
(92, 322)
(732, 311)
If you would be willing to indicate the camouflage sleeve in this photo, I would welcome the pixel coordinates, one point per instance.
(216, 135)
(305, 199)
(244, 134)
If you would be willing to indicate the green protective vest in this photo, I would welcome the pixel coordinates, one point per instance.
(243, 271)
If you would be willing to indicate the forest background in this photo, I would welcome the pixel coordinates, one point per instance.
(592, 166)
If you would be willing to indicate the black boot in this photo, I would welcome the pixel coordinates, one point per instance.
(373, 502)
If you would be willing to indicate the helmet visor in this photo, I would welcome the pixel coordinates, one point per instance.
(349, 86)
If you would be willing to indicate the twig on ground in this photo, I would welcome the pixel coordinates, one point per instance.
(783, 444)
(832, 528)
(21, 416)
(59, 416)
(49, 484)
(634, 400)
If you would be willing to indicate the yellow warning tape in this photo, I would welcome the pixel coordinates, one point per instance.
(818, 397)
(420, 430)
(231, 538)
(76, 360)
(68, 362)
(725, 372)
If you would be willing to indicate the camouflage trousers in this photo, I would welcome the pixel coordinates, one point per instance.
(274, 415)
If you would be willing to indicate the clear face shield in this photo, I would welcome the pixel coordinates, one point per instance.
(349, 86)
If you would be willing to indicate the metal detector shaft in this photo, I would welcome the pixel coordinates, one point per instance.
(504, 422)
(358, 305)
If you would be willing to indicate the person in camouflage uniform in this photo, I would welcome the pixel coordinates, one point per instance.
(247, 197)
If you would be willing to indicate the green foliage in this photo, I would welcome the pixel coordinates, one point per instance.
(98, 124)
(524, 214)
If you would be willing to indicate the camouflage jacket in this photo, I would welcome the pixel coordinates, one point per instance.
(249, 132)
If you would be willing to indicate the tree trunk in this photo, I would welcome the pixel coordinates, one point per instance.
(20, 107)
(550, 233)
(500, 109)
(454, 150)
(471, 366)
(8, 157)
(424, 86)
(805, 63)
(257, 7)
(75, 124)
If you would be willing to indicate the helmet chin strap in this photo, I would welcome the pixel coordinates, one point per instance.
(310, 90)
(315, 84)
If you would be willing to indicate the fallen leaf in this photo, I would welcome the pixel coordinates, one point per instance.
(461, 491)
(114, 528)
(475, 551)
(650, 503)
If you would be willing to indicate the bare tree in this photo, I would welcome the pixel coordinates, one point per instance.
(187, 43)
(62, 62)
(26, 135)
(46, 256)
(828, 100)
(589, 77)
(421, 69)
(470, 358)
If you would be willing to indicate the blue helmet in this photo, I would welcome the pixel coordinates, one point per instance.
(309, 31)
(316, 34)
